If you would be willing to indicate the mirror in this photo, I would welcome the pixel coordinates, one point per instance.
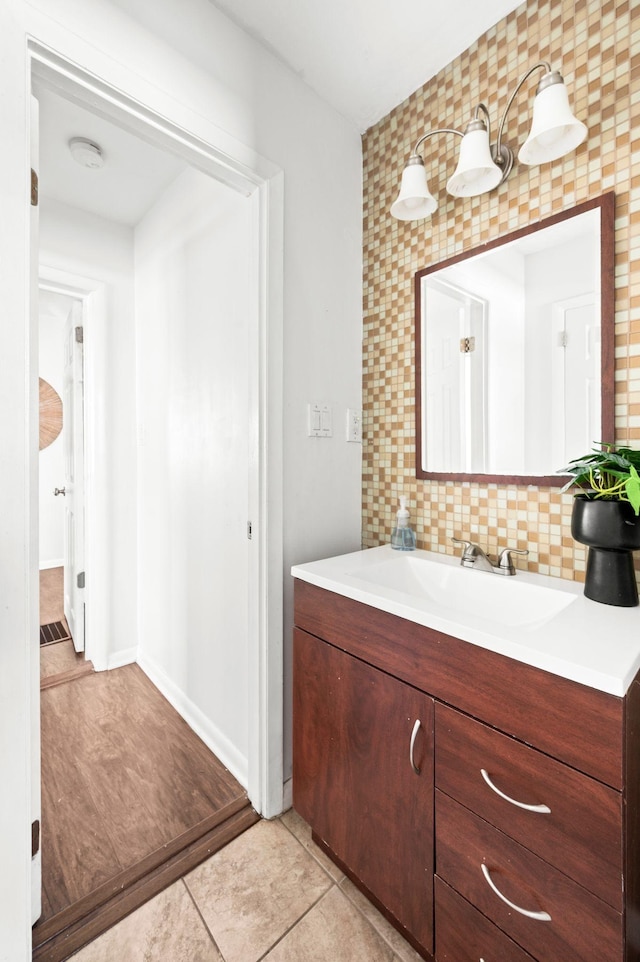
(515, 352)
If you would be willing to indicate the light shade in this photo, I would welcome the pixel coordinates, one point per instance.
(414, 200)
(476, 172)
(554, 131)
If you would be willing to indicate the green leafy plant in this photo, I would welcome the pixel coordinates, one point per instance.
(609, 473)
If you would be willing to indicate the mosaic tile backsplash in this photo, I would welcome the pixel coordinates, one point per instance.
(596, 47)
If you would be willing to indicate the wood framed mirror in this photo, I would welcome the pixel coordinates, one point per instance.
(515, 352)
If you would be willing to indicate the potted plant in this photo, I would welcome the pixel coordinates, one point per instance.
(606, 518)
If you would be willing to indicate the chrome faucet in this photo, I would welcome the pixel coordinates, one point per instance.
(474, 557)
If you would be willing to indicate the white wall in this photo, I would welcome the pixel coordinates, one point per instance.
(186, 61)
(51, 458)
(194, 296)
(83, 245)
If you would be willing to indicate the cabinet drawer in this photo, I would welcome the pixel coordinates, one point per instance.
(581, 834)
(581, 926)
(464, 935)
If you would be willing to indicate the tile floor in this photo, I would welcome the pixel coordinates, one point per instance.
(270, 895)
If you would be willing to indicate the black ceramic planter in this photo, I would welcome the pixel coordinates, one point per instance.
(611, 531)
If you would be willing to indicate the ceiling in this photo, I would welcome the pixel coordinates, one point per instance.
(364, 57)
(134, 176)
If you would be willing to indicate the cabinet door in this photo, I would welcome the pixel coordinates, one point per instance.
(364, 788)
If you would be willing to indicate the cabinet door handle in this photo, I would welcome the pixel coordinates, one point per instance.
(543, 809)
(540, 916)
(414, 735)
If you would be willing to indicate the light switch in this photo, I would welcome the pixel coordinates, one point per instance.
(326, 428)
(319, 420)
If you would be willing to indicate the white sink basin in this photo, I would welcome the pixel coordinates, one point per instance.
(542, 621)
(507, 599)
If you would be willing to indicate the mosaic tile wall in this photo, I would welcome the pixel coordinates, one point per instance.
(596, 46)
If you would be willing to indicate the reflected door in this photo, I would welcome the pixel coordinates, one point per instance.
(455, 387)
(576, 366)
(73, 407)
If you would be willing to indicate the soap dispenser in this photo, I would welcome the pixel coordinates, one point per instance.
(403, 537)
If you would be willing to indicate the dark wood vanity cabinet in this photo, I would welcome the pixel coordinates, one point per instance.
(489, 807)
(363, 779)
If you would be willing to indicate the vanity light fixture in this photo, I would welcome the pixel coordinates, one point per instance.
(482, 166)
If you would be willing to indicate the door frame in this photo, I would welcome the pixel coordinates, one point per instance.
(247, 172)
(92, 296)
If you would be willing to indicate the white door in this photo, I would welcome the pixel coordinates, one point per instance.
(454, 326)
(575, 377)
(73, 439)
(36, 854)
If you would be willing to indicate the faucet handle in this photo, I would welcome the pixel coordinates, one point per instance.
(505, 564)
(469, 551)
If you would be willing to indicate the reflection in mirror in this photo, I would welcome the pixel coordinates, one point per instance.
(511, 372)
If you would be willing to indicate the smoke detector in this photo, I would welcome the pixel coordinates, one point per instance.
(86, 153)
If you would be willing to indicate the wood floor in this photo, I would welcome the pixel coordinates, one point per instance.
(131, 800)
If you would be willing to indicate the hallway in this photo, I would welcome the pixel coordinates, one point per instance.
(58, 661)
(131, 797)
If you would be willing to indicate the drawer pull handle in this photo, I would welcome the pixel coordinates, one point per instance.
(543, 809)
(414, 735)
(540, 916)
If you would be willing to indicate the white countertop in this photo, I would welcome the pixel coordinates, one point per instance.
(587, 642)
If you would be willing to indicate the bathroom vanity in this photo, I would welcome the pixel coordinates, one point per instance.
(471, 757)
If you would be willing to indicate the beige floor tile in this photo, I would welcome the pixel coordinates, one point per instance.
(166, 929)
(251, 892)
(333, 931)
(302, 831)
(391, 935)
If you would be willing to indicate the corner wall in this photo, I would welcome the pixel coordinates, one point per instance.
(195, 292)
(592, 44)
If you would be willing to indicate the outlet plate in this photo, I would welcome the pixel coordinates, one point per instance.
(354, 426)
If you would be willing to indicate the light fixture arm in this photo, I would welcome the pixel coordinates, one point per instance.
(498, 150)
(483, 108)
(432, 133)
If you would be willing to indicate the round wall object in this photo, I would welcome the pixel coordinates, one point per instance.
(50, 414)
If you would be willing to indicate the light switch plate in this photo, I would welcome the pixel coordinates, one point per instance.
(319, 419)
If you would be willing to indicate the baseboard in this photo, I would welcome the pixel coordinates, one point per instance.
(56, 563)
(213, 738)
(126, 656)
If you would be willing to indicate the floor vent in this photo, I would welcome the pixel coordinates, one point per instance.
(56, 631)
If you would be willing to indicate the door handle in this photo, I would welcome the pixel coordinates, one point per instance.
(58, 491)
(414, 733)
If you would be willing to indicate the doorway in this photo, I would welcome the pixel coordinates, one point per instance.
(260, 182)
(61, 468)
(157, 527)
